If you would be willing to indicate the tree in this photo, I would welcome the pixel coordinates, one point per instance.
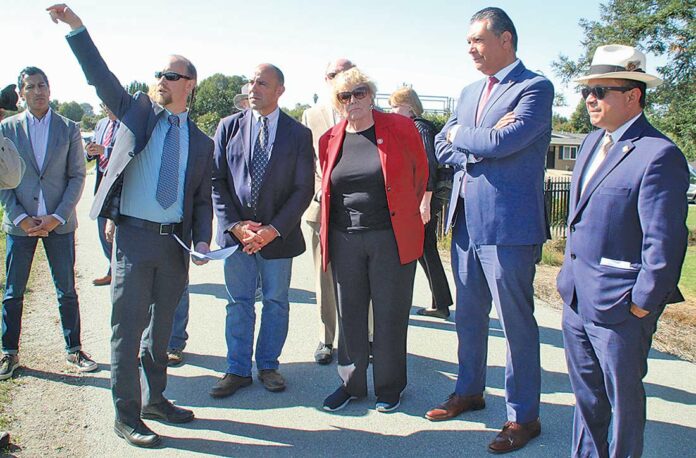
(88, 123)
(71, 110)
(297, 111)
(580, 119)
(214, 100)
(135, 86)
(559, 123)
(664, 28)
(87, 108)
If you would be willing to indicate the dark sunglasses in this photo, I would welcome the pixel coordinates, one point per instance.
(359, 94)
(331, 75)
(601, 91)
(171, 76)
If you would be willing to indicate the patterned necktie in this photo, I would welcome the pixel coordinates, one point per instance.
(492, 81)
(607, 143)
(259, 161)
(106, 142)
(168, 181)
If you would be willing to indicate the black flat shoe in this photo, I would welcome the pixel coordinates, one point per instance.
(138, 436)
(437, 313)
(167, 412)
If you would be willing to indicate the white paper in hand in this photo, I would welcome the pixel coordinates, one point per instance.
(215, 255)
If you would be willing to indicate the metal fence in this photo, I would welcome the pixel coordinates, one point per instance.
(556, 199)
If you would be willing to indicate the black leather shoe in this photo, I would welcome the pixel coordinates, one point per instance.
(139, 436)
(228, 385)
(167, 412)
(437, 313)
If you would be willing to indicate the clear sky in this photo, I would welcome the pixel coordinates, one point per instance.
(421, 42)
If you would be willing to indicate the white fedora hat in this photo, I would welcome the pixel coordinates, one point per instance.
(244, 95)
(619, 62)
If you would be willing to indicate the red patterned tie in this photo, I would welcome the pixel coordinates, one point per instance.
(106, 142)
(492, 81)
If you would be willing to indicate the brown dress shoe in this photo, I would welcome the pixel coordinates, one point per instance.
(454, 405)
(102, 281)
(272, 380)
(228, 385)
(514, 436)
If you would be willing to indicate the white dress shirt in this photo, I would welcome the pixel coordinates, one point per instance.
(38, 135)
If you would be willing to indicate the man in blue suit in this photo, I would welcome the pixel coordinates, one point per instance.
(626, 244)
(497, 140)
(263, 180)
(157, 185)
(99, 150)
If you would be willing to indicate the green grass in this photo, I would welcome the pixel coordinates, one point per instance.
(691, 218)
(687, 282)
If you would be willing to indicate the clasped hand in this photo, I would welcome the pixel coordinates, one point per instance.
(39, 226)
(254, 235)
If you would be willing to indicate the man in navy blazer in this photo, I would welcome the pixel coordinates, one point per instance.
(99, 150)
(497, 140)
(626, 243)
(263, 180)
(157, 185)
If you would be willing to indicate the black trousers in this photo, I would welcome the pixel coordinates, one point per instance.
(432, 265)
(366, 268)
(149, 273)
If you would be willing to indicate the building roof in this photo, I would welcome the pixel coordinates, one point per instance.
(567, 138)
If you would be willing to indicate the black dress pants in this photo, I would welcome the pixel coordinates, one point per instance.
(366, 267)
(432, 265)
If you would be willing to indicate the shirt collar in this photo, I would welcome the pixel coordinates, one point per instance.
(272, 116)
(618, 133)
(505, 71)
(33, 120)
(183, 116)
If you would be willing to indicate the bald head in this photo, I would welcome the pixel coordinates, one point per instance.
(265, 88)
(336, 67)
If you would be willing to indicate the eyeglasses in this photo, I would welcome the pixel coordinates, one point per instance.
(331, 75)
(599, 92)
(171, 76)
(359, 94)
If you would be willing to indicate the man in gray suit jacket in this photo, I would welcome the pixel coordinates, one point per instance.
(42, 206)
(157, 185)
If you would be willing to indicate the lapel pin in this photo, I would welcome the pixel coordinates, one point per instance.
(380, 141)
(625, 149)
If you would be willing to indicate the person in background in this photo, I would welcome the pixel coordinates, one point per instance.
(262, 183)
(157, 185)
(497, 138)
(11, 163)
(241, 100)
(99, 149)
(405, 101)
(42, 206)
(626, 243)
(319, 119)
(374, 175)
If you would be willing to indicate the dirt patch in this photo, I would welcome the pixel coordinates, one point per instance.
(676, 329)
(47, 415)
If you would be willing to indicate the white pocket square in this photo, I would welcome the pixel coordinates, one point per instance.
(615, 263)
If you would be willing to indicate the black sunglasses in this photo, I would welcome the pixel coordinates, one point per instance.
(331, 75)
(359, 94)
(171, 76)
(600, 91)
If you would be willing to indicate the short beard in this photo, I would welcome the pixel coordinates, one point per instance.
(163, 99)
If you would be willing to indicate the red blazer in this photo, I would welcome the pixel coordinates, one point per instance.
(405, 168)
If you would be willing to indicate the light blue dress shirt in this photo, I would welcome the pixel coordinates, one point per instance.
(138, 197)
(272, 128)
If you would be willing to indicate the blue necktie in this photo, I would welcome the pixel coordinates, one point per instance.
(259, 161)
(168, 181)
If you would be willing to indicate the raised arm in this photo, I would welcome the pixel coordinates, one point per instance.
(108, 87)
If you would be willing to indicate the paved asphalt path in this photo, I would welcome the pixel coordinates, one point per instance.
(254, 422)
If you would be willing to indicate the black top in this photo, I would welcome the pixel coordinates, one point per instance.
(427, 131)
(358, 199)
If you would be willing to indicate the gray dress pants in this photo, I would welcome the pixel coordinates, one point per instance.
(149, 273)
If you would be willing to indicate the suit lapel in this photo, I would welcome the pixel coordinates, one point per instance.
(337, 135)
(502, 88)
(616, 154)
(55, 131)
(26, 140)
(381, 130)
(279, 145)
(472, 100)
(245, 126)
(580, 166)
